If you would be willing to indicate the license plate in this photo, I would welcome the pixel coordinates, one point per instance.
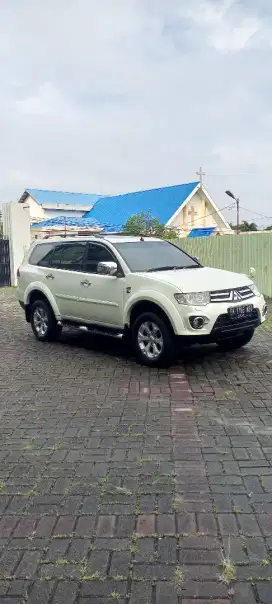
(238, 312)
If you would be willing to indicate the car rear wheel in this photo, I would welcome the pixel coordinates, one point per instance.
(237, 341)
(153, 340)
(43, 322)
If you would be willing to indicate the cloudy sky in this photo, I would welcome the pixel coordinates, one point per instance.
(109, 96)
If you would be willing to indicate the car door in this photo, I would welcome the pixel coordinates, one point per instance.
(103, 295)
(64, 275)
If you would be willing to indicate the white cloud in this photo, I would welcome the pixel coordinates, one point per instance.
(115, 96)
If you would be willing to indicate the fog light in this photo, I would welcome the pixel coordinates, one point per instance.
(197, 322)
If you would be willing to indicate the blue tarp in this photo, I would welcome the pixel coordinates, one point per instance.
(66, 221)
(202, 232)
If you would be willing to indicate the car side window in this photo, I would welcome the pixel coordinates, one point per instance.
(55, 258)
(41, 254)
(96, 253)
(68, 256)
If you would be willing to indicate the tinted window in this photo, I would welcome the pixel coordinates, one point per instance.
(96, 253)
(41, 254)
(68, 256)
(142, 256)
(56, 254)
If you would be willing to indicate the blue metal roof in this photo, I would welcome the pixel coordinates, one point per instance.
(76, 199)
(113, 212)
(202, 232)
(63, 221)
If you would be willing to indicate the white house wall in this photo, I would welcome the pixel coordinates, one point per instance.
(197, 213)
(38, 212)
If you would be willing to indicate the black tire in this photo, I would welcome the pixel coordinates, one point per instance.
(236, 342)
(53, 330)
(164, 335)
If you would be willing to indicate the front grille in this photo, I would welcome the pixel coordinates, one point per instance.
(225, 322)
(239, 294)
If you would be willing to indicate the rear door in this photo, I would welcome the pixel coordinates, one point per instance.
(65, 275)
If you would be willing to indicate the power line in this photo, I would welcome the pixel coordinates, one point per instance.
(257, 213)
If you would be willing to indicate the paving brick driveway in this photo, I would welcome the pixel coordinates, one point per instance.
(118, 483)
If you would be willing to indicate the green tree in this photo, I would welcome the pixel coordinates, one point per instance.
(147, 225)
(245, 227)
(248, 226)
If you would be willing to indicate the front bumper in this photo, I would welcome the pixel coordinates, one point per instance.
(218, 323)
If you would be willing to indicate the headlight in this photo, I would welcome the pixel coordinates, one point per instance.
(193, 299)
(255, 290)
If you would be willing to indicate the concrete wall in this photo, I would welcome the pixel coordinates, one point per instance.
(16, 228)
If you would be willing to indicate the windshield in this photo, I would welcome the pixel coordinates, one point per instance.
(144, 256)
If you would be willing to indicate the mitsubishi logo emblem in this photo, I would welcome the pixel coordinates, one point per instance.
(236, 296)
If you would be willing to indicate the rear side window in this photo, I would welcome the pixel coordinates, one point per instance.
(65, 256)
(41, 254)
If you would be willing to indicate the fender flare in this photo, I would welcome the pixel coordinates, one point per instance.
(38, 286)
(161, 301)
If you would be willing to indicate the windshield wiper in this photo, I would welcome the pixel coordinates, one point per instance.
(171, 268)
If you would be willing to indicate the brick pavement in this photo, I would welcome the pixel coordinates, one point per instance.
(118, 483)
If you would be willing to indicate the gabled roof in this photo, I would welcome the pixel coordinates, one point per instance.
(113, 212)
(60, 197)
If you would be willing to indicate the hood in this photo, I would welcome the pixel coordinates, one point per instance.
(200, 279)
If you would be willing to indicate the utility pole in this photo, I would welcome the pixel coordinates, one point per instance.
(237, 215)
(201, 174)
(237, 201)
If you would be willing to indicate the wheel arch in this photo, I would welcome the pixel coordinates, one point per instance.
(142, 306)
(36, 293)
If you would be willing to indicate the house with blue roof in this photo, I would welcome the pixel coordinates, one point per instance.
(187, 208)
(44, 204)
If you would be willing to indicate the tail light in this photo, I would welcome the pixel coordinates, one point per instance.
(18, 273)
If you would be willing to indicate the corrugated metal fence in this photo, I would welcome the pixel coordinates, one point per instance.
(236, 253)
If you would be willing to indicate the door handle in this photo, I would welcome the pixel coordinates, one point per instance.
(50, 276)
(85, 283)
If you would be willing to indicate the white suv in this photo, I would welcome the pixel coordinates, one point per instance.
(144, 287)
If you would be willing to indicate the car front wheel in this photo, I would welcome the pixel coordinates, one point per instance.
(153, 340)
(43, 322)
(237, 341)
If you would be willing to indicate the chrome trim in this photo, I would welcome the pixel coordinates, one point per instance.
(237, 294)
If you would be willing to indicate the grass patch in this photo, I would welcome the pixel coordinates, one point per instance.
(228, 574)
(62, 562)
(179, 578)
(268, 323)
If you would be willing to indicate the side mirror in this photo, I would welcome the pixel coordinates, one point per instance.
(252, 272)
(195, 258)
(107, 268)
